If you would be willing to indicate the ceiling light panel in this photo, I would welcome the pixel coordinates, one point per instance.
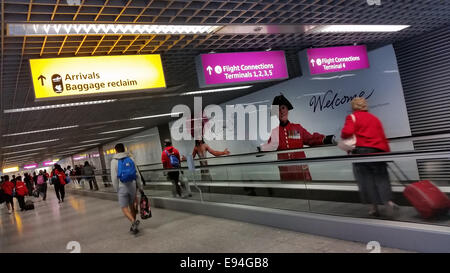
(19, 156)
(40, 131)
(25, 151)
(157, 116)
(31, 143)
(46, 107)
(112, 29)
(215, 90)
(98, 139)
(356, 28)
(122, 130)
(81, 146)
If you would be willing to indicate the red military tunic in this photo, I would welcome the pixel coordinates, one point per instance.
(292, 136)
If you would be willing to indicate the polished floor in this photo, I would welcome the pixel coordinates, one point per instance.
(98, 225)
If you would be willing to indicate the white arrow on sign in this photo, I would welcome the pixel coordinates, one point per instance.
(209, 69)
(312, 62)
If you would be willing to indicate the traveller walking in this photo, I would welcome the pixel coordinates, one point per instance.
(88, 173)
(170, 159)
(372, 177)
(8, 191)
(21, 191)
(59, 182)
(126, 180)
(41, 182)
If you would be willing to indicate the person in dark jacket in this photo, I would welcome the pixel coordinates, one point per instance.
(372, 177)
(173, 176)
(29, 182)
(88, 173)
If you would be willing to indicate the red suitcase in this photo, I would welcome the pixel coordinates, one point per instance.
(428, 200)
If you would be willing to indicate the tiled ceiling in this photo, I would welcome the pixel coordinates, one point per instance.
(177, 51)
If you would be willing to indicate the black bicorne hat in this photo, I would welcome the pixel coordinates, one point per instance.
(281, 100)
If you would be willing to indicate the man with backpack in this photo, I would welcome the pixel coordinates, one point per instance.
(170, 158)
(126, 179)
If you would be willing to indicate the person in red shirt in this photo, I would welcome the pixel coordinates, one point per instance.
(372, 177)
(59, 181)
(21, 191)
(173, 176)
(292, 136)
(8, 188)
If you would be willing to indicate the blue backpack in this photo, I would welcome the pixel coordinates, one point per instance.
(126, 171)
(173, 160)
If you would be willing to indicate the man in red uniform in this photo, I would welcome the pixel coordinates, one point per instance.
(292, 136)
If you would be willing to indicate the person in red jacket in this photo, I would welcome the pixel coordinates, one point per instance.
(173, 176)
(21, 191)
(59, 181)
(372, 177)
(292, 136)
(8, 188)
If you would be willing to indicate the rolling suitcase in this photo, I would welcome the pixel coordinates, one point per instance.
(29, 205)
(428, 200)
(426, 197)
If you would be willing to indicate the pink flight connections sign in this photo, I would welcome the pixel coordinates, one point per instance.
(337, 59)
(232, 68)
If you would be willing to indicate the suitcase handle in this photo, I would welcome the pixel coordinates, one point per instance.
(395, 174)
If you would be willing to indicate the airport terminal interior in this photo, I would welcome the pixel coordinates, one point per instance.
(225, 126)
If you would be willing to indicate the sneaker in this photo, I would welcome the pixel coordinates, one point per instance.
(134, 227)
(9, 211)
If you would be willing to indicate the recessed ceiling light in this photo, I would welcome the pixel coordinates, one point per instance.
(356, 28)
(53, 106)
(40, 131)
(215, 90)
(27, 29)
(31, 143)
(122, 130)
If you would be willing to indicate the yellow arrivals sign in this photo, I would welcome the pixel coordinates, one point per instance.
(79, 76)
(10, 170)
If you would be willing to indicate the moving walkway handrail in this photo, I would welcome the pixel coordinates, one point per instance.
(376, 157)
(412, 138)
